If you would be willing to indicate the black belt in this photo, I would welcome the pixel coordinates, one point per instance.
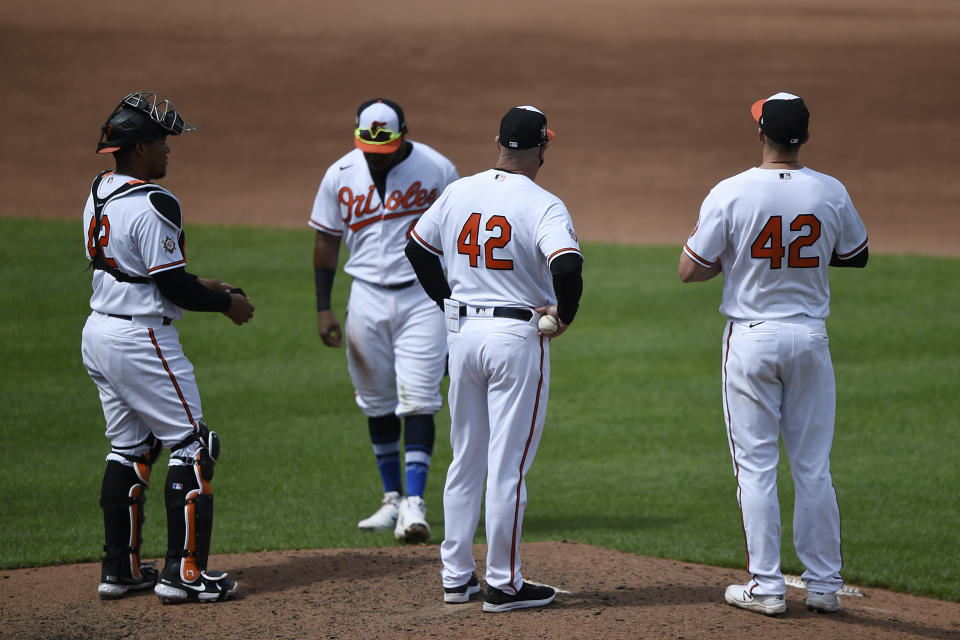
(402, 285)
(166, 320)
(504, 312)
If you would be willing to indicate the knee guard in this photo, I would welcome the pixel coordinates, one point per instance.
(189, 502)
(141, 456)
(205, 453)
(122, 497)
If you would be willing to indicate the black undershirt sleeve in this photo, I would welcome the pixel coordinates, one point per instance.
(567, 271)
(859, 260)
(183, 289)
(429, 272)
(323, 281)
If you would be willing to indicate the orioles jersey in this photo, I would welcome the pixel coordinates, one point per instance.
(774, 233)
(141, 235)
(376, 231)
(497, 233)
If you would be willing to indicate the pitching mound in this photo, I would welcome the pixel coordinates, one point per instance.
(395, 593)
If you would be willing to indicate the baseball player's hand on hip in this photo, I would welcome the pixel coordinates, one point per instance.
(328, 328)
(240, 310)
(551, 310)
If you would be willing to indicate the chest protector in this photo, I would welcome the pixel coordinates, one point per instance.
(98, 261)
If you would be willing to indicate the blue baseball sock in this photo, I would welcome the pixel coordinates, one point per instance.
(385, 436)
(418, 434)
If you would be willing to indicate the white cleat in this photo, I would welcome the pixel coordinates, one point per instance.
(386, 516)
(412, 521)
(738, 596)
(823, 602)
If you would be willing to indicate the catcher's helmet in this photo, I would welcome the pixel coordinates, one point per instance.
(140, 118)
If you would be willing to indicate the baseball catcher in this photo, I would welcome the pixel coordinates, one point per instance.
(135, 244)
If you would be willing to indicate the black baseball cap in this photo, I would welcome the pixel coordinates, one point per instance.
(524, 127)
(783, 117)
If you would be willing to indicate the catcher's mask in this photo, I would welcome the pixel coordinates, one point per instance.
(140, 118)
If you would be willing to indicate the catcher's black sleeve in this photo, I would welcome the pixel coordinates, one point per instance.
(429, 272)
(567, 271)
(182, 289)
(859, 260)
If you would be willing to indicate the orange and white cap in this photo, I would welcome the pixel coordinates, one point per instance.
(380, 126)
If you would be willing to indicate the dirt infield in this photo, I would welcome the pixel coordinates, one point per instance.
(650, 102)
(395, 593)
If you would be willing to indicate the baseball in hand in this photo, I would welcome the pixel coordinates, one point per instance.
(548, 325)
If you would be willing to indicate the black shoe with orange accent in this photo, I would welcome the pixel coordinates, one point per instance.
(112, 587)
(211, 586)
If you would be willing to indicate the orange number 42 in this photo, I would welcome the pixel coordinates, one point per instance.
(769, 242)
(468, 243)
(102, 241)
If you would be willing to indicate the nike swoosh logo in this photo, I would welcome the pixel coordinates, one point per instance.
(346, 167)
(184, 584)
(754, 324)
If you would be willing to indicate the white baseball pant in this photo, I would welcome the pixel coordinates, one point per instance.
(499, 386)
(146, 382)
(396, 347)
(778, 381)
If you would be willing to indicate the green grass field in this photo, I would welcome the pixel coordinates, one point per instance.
(634, 456)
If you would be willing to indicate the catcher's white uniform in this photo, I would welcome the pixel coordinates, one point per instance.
(774, 233)
(497, 232)
(395, 336)
(130, 347)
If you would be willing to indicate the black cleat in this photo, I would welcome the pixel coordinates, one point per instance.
(113, 587)
(530, 595)
(212, 586)
(461, 594)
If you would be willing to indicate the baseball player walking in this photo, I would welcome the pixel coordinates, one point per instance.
(135, 242)
(772, 231)
(511, 255)
(396, 351)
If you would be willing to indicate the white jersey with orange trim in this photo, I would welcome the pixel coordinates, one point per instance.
(140, 241)
(375, 231)
(476, 226)
(497, 233)
(774, 232)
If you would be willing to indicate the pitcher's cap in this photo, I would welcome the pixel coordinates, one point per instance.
(524, 127)
(380, 126)
(783, 117)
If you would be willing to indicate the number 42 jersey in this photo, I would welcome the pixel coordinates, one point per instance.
(497, 233)
(774, 232)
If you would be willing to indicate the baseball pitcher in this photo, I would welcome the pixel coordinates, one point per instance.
(134, 240)
(773, 231)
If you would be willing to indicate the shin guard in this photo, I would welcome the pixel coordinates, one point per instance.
(189, 502)
(122, 496)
